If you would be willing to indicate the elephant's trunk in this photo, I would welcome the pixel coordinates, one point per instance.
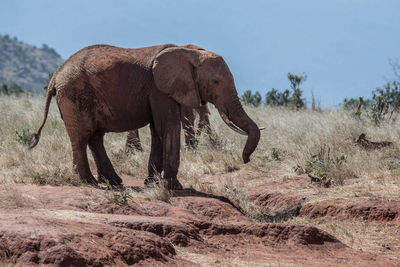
(237, 119)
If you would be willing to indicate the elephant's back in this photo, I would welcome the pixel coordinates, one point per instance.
(108, 64)
(96, 59)
(102, 56)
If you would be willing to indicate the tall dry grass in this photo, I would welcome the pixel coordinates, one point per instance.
(290, 143)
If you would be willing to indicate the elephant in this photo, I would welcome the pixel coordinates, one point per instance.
(188, 116)
(104, 88)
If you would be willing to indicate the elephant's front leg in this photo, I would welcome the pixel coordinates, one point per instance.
(166, 137)
(165, 146)
(171, 148)
(155, 165)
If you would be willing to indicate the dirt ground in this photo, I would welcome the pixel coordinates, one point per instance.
(306, 226)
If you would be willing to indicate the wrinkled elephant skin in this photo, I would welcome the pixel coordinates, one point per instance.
(103, 88)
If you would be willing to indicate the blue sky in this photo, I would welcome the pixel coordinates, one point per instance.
(344, 46)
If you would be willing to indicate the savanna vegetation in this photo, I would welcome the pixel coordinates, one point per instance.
(317, 144)
(295, 141)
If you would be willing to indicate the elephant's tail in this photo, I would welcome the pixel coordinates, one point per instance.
(51, 91)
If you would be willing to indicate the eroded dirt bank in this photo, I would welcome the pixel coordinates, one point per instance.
(81, 226)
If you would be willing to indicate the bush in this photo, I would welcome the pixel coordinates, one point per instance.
(325, 166)
(12, 89)
(120, 198)
(296, 99)
(350, 104)
(385, 103)
(274, 98)
(286, 98)
(251, 99)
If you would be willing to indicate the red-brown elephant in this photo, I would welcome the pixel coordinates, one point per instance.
(103, 88)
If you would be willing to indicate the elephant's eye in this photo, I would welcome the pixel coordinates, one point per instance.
(215, 82)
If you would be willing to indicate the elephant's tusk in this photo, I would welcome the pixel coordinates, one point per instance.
(261, 128)
(230, 124)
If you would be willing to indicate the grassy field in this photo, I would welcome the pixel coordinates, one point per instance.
(320, 143)
(293, 144)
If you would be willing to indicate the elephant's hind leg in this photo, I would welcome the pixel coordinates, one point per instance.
(106, 172)
(80, 161)
(133, 141)
(78, 131)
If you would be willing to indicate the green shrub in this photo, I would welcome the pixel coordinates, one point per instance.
(11, 89)
(325, 166)
(248, 98)
(120, 198)
(293, 99)
(385, 103)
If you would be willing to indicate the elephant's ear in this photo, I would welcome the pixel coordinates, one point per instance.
(173, 72)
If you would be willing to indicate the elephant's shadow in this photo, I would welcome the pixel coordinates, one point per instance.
(186, 192)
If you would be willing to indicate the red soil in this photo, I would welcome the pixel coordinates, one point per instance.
(77, 226)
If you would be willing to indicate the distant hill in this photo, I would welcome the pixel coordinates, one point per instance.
(26, 65)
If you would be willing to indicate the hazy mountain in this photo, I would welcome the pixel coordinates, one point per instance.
(26, 65)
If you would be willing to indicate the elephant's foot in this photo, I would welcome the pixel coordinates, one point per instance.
(174, 184)
(170, 184)
(110, 179)
(90, 180)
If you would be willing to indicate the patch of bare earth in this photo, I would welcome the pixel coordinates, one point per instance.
(381, 210)
(80, 226)
(364, 218)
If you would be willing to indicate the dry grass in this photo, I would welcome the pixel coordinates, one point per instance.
(228, 260)
(157, 192)
(289, 143)
(320, 143)
(375, 237)
(14, 199)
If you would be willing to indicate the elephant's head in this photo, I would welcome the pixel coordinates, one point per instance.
(191, 76)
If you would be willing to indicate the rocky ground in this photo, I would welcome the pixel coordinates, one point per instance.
(84, 226)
